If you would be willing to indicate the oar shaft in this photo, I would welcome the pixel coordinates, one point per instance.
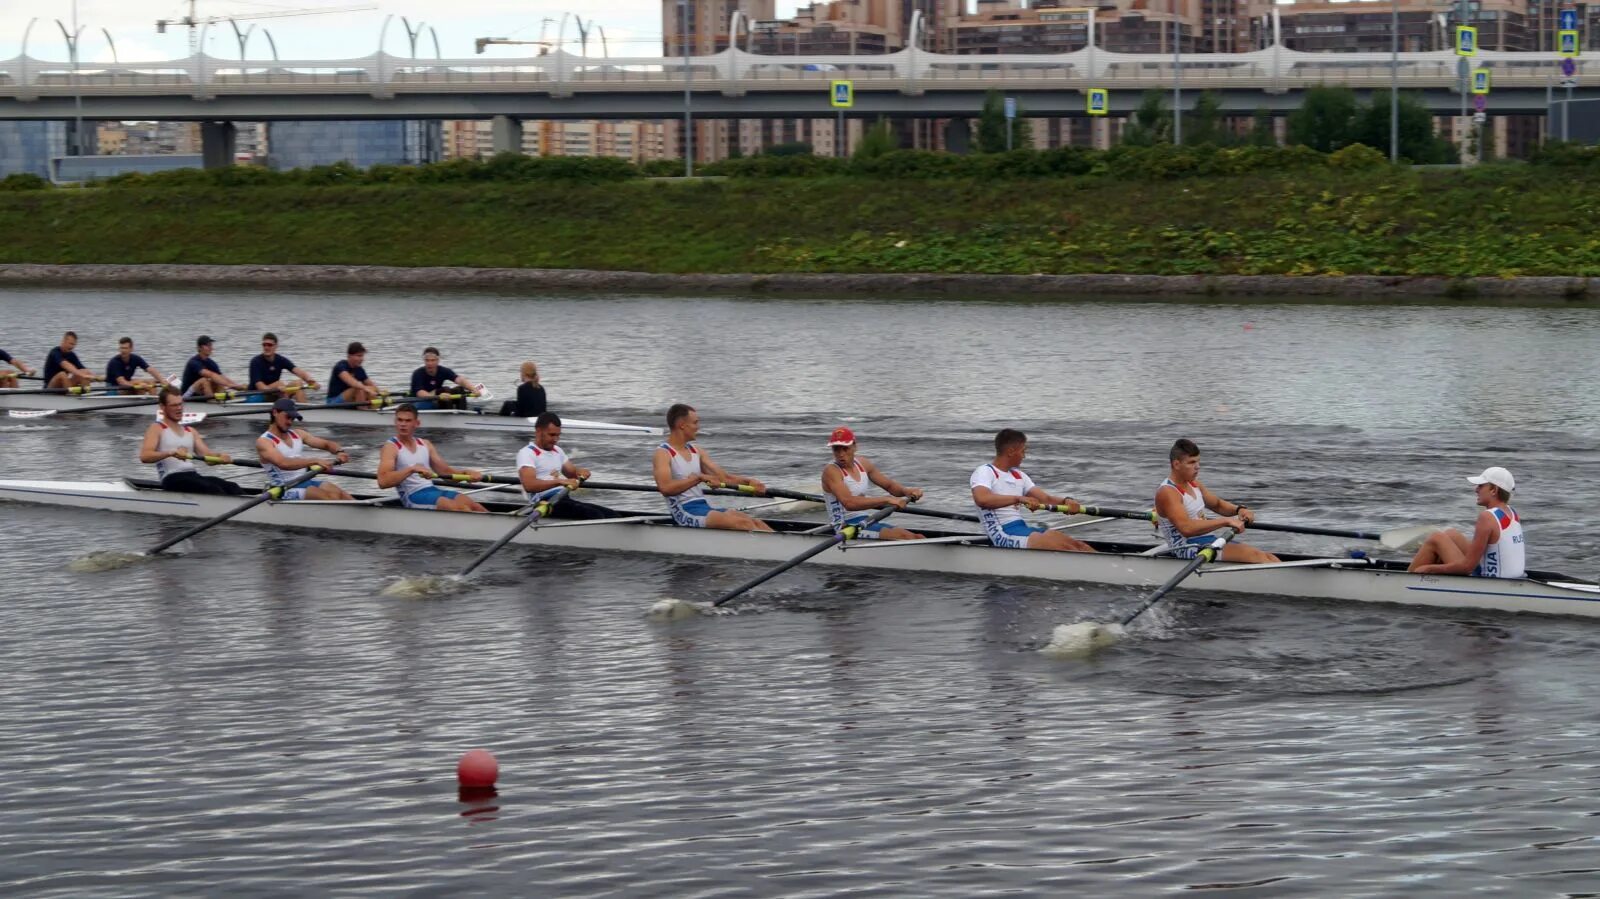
(539, 511)
(270, 493)
(1209, 554)
(848, 533)
(1150, 515)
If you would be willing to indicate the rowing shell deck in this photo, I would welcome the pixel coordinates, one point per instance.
(1117, 564)
(477, 418)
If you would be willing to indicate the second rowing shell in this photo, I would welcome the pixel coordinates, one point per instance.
(472, 419)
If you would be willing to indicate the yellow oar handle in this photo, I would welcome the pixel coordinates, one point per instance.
(742, 488)
(1066, 508)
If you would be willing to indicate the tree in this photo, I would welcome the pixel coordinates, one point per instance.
(792, 148)
(1261, 131)
(1418, 141)
(992, 126)
(1325, 120)
(1151, 124)
(878, 140)
(1203, 124)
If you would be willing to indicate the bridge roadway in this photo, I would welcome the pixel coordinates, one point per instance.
(734, 84)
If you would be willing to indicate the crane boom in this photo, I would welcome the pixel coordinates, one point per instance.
(193, 20)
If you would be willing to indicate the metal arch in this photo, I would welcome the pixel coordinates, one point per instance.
(733, 41)
(243, 37)
(434, 32)
(25, 32)
(605, 49)
(113, 44)
(267, 33)
(382, 34)
(561, 37)
(200, 63)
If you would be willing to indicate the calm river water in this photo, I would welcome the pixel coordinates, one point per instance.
(254, 717)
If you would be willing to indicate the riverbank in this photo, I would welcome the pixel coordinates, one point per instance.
(1523, 231)
(1269, 288)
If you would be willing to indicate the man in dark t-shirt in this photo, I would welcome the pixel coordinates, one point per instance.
(202, 377)
(125, 364)
(63, 368)
(267, 369)
(349, 382)
(428, 382)
(8, 379)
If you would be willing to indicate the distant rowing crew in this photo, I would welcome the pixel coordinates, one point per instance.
(682, 470)
(270, 373)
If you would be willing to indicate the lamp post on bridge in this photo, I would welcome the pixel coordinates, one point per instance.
(688, 85)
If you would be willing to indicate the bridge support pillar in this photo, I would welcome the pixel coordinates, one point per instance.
(958, 136)
(505, 134)
(218, 143)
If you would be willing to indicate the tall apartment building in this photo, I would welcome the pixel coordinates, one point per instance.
(28, 147)
(634, 141)
(699, 28)
(1326, 26)
(296, 145)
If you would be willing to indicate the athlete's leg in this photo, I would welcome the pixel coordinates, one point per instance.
(729, 520)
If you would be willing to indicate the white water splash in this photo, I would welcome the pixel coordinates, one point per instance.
(1079, 639)
(670, 609)
(425, 586)
(105, 560)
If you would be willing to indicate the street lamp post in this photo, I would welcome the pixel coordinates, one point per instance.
(1394, 81)
(1177, 78)
(688, 87)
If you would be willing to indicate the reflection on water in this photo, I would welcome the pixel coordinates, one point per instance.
(254, 712)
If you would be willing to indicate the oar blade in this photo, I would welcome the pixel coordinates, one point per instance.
(1079, 639)
(30, 413)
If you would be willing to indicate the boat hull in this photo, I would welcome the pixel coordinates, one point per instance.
(1121, 566)
(479, 418)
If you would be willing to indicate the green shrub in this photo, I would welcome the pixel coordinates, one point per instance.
(1357, 157)
(23, 181)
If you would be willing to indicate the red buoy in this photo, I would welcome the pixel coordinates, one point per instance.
(477, 769)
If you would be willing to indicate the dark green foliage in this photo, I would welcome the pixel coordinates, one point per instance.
(23, 181)
(1418, 142)
(878, 141)
(792, 148)
(1151, 123)
(1325, 120)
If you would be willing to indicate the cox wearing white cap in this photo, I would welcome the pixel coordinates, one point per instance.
(844, 486)
(1495, 548)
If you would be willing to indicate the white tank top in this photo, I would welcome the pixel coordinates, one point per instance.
(290, 447)
(172, 439)
(1507, 556)
(683, 465)
(405, 458)
(1194, 503)
(857, 486)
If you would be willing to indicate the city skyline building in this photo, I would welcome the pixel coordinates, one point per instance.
(295, 145)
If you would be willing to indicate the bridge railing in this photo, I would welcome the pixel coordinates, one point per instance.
(734, 72)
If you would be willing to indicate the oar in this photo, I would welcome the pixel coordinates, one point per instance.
(263, 406)
(1209, 554)
(848, 532)
(539, 511)
(104, 407)
(778, 492)
(36, 391)
(1395, 538)
(271, 493)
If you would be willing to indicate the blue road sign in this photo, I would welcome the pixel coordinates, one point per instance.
(1011, 107)
(1566, 43)
(1569, 20)
(1568, 67)
(1099, 101)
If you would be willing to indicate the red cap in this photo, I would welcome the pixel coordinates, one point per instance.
(842, 437)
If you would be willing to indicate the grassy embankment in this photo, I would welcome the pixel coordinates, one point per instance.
(1502, 221)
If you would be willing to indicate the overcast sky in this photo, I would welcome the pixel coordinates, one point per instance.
(632, 27)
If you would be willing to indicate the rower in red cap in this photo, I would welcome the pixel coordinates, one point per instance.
(844, 487)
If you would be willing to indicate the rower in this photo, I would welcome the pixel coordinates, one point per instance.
(63, 368)
(349, 382)
(8, 379)
(543, 466)
(169, 444)
(681, 471)
(1496, 548)
(409, 464)
(844, 487)
(122, 367)
(1181, 504)
(281, 450)
(530, 401)
(267, 368)
(202, 377)
(1000, 486)
(427, 382)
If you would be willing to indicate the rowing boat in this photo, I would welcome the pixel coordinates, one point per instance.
(1118, 564)
(478, 417)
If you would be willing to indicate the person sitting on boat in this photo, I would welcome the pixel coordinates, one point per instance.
(349, 382)
(427, 382)
(682, 470)
(530, 401)
(169, 444)
(543, 466)
(63, 368)
(8, 379)
(1495, 549)
(282, 452)
(125, 364)
(408, 464)
(1000, 486)
(202, 376)
(268, 367)
(844, 486)
(1181, 504)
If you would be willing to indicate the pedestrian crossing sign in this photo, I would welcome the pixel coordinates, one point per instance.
(1466, 40)
(844, 94)
(1098, 101)
(1567, 41)
(1480, 81)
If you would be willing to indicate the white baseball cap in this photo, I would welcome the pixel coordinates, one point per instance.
(1497, 476)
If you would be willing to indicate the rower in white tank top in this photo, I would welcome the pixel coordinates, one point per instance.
(1194, 504)
(172, 439)
(1506, 557)
(856, 482)
(289, 446)
(688, 508)
(405, 458)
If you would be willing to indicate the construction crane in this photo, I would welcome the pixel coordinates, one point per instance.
(541, 43)
(192, 21)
